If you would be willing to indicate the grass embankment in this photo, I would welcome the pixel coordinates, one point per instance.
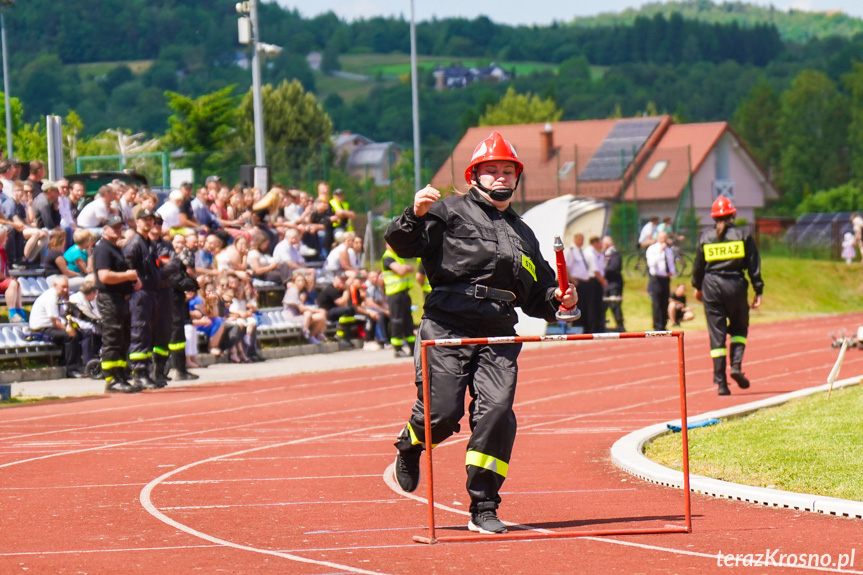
(794, 288)
(810, 445)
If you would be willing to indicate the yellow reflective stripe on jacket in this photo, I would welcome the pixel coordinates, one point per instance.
(487, 462)
(394, 283)
(720, 352)
(724, 251)
(738, 339)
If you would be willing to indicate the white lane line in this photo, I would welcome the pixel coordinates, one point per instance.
(147, 503)
(277, 504)
(210, 430)
(89, 551)
(252, 479)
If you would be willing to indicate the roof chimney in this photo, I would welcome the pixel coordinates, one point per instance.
(546, 143)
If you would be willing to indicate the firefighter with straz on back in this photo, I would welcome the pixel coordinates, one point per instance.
(724, 254)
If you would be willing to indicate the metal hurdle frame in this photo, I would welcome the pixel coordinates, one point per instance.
(523, 534)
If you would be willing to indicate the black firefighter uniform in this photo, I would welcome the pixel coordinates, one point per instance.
(718, 272)
(481, 263)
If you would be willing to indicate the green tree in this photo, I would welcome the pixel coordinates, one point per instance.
(844, 198)
(757, 124)
(296, 129)
(516, 108)
(202, 127)
(813, 123)
(854, 85)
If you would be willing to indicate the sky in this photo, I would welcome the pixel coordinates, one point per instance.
(513, 12)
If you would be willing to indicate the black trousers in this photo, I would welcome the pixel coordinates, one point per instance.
(595, 321)
(401, 319)
(116, 328)
(726, 309)
(614, 290)
(179, 318)
(659, 289)
(71, 347)
(488, 373)
(162, 327)
(142, 305)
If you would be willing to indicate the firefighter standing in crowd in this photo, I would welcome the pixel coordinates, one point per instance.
(397, 284)
(723, 254)
(344, 220)
(181, 283)
(142, 303)
(482, 261)
(115, 282)
(168, 265)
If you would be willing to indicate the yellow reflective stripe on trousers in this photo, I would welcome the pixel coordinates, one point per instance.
(177, 346)
(486, 462)
(721, 352)
(113, 364)
(738, 339)
(161, 351)
(139, 355)
(414, 439)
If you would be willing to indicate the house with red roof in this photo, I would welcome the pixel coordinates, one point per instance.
(649, 162)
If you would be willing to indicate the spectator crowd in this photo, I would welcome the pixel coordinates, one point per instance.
(136, 283)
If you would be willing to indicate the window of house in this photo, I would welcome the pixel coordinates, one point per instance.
(657, 170)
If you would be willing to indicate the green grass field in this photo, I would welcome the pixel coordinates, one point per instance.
(396, 65)
(811, 445)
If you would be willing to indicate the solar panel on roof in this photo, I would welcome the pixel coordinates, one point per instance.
(615, 153)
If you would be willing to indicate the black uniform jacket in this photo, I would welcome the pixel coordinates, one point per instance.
(466, 240)
(729, 256)
(139, 256)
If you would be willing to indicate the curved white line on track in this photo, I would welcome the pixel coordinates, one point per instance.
(147, 504)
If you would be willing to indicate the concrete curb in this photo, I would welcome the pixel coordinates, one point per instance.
(628, 454)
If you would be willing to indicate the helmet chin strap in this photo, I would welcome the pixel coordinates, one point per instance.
(497, 195)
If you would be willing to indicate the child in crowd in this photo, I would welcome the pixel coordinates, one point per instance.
(296, 304)
(678, 311)
(848, 250)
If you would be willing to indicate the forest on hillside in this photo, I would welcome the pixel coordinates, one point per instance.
(115, 63)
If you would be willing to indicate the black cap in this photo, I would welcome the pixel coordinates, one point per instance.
(145, 213)
(157, 219)
(113, 220)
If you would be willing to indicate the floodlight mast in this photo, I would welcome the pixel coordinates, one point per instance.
(4, 4)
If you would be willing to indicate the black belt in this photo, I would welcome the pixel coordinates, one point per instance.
(479, 291)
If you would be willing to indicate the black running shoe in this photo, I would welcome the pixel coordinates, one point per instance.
(407, 469)
(486, 522)
(723, 389)
(738, 376)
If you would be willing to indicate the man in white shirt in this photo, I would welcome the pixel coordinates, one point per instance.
(660, 264)
(648, 232)
(288, 250)
(7, 176)
(170, 210)
(579, 274)
(595, 285)
(47, 319)
(94, 214)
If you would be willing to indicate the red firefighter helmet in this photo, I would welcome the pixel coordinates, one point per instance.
(494, 148)
(722, 207)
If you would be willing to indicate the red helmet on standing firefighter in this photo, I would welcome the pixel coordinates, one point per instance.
(722, 207)
(494, 148)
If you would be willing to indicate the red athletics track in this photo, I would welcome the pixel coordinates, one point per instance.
(292, 475)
